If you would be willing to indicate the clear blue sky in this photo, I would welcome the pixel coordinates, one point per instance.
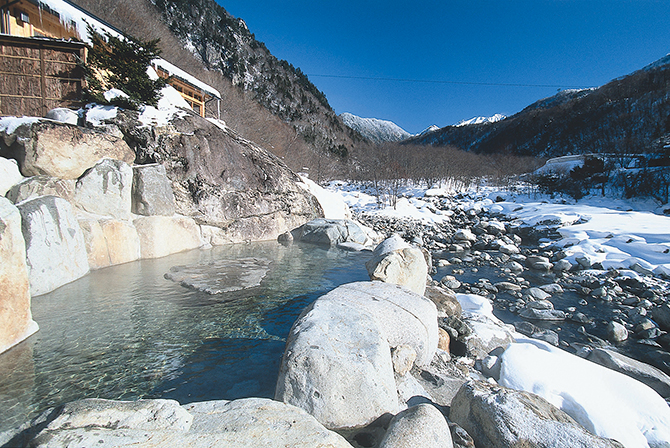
(568, 43)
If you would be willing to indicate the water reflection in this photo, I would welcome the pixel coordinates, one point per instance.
(126, 332)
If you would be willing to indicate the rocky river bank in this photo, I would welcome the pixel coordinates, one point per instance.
(374, 364)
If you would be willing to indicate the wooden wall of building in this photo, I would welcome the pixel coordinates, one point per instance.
(39, 75)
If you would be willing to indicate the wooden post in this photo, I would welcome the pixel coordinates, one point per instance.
(43, 81)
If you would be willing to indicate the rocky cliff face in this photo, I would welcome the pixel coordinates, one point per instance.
(222, 180)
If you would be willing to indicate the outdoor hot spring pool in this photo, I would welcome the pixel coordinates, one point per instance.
(127, 332)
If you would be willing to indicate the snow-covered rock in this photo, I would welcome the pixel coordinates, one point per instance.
(480, 120)
(58, 149)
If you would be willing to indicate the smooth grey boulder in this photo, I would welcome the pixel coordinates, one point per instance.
(152, 191)
(649, 375)
(55, 247)
(59, 149)
(221, 275)
(105, 189)
(9, 175)
(395, 261)
(539, 263)
(36, 186)
(247, 423)
(16, 322)
(405, 318)
(330, 232)
(497, 417)
(419, 426)
(337, 366)
(616, 332)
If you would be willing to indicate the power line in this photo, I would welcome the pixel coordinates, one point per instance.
(470, 83)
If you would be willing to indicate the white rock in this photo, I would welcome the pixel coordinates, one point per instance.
(165, 235)
(337, 366)
(403, 357)
(9, 175)
(16, 322)
(105, 189)
(109, 242)
(394, 261)
(55, 247)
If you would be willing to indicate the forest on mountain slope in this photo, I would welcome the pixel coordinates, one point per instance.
(626, 115)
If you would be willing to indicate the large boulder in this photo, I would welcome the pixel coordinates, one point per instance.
(395, 261)
(36, 186)
(166, 235)
(55, 247)
(337, 366)
(247, 423)
(16, 321)
(105, 189)
(649, 375)
(498, 417)
(330, 232)
(419, 426)
(152, 191)
(109, 242)
(337, 363)
(59, 149)
(9, 175)
(222, 180)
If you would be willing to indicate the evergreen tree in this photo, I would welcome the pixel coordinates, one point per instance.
(121, 63)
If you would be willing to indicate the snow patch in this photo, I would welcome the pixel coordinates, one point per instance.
(332, 204)
(605, 402)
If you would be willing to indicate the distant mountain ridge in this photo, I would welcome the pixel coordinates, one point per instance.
(628, 114)
(480, 120)
(374, 129)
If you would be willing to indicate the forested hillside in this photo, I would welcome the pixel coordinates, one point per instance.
(266, 100)
(625, 115)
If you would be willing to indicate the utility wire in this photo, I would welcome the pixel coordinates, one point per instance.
(470, 83)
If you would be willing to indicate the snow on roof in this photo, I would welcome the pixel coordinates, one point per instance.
(70, 13)
(179, 73)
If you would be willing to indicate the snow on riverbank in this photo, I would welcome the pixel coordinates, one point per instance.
(595, 230)
(605, 402)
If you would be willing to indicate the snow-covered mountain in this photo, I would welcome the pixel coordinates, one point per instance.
(431, 128)
(480, 120)
(374, 129)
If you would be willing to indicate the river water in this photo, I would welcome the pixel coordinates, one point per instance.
(127, 332)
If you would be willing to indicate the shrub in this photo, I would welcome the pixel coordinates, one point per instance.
(121, 63)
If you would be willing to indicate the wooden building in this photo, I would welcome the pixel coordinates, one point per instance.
(39, 51)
